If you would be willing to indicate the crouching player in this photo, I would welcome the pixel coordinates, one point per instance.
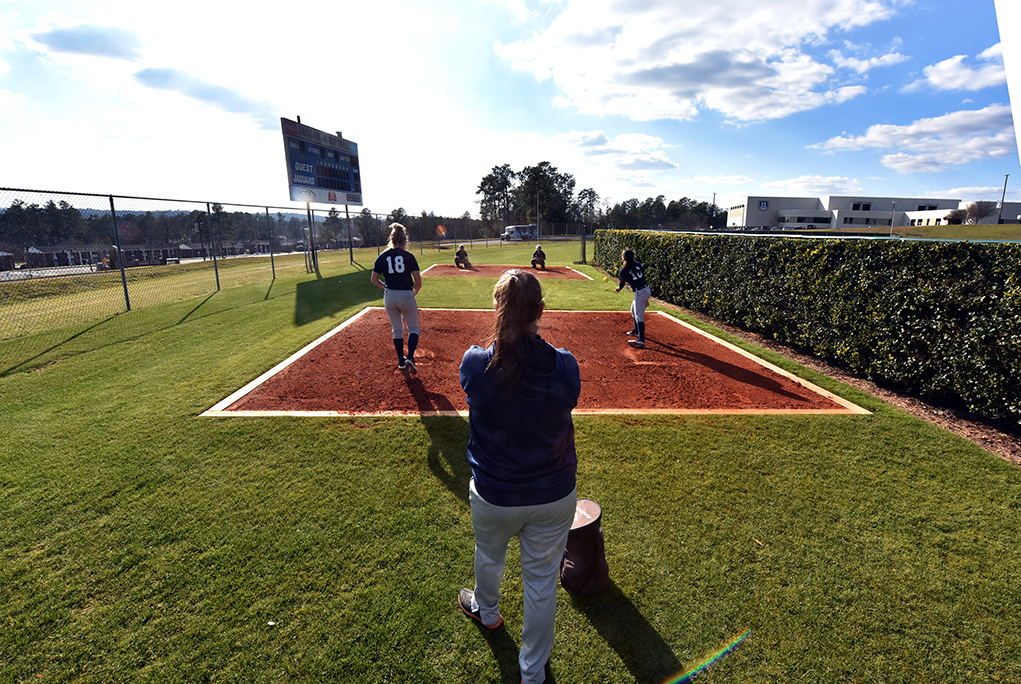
(539, 258)
(461, 258)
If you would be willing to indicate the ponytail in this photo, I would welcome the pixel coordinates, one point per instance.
(517, 299)
(398, 235)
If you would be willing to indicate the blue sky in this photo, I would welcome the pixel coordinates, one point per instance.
(634, 98)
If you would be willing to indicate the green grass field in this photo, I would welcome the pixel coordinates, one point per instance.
(1003, 231)
(141, 543)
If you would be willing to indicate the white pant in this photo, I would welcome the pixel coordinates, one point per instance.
(401, 303)
(542, 531)
(639, 303)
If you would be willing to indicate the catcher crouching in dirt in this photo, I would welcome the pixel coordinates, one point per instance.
(461, 258)
(539, 258)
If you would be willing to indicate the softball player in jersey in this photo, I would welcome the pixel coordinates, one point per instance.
(632, 273)
(401, 282)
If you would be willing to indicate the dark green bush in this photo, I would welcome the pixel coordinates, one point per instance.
(941, 320)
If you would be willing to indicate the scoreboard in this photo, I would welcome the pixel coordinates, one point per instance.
(320, 167)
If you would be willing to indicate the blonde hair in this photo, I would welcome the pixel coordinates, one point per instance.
(517, 298)
(398, 235)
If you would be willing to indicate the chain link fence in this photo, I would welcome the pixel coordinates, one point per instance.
(68, 260)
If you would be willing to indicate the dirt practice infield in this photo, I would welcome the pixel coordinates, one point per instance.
(352, 371)
(497, 270)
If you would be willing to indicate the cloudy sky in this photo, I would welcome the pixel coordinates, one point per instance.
(634, 98)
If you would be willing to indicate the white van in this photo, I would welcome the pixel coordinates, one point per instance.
(527, 232)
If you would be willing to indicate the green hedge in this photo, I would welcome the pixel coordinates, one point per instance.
(941, 320)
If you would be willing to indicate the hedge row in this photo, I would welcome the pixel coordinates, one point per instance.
(941, 320)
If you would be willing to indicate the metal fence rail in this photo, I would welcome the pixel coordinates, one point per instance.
(69, 259)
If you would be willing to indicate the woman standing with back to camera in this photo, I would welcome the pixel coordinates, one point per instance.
(521, 392)
(401, 282)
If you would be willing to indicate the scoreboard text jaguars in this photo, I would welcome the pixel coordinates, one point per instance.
(320, 167)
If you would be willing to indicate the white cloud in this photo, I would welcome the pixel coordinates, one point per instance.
(813, 186)
(954, 74)
(722, 180)
(227, 99)
(865, 65)
(92, 40)
(933, 144)
(644, 60)
(11, 103)
(972, 191)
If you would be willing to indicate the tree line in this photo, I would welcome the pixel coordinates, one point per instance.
(535, 194)
(24, 225)
(542, 194)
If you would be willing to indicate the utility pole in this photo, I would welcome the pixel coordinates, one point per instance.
(999, 216)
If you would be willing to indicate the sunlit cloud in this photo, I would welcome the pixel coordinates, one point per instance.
(813, 186)
(865, 65)
(92, 40)
(934, 144)
(722, 180)
(954, 74)
(644, 60)
(226, 99)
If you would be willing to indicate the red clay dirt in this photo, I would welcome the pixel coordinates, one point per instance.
(353, 370)
(495, 271)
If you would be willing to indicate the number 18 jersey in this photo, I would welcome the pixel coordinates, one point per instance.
(395, 267)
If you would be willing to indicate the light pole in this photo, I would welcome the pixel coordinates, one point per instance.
(893, 216)
(999, 216)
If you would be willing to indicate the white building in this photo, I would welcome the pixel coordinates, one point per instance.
(851, 212)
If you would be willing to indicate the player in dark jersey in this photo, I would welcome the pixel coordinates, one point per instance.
(521, 392)
(539, 258)
(461, 258)
(632, 274)
(401, 282)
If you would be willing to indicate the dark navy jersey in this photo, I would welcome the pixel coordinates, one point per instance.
(633, 274)
(395, 267)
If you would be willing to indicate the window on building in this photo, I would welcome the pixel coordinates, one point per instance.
(866, 206)
(856, 206)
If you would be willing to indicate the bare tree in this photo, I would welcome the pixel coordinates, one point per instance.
(980, 210)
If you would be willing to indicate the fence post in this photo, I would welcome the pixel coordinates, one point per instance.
(312, 238)
(120, 254)
(212, 246)
(269, 222)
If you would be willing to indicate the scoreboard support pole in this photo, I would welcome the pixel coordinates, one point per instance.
(269, 222)
(350, 240)
(311, 239)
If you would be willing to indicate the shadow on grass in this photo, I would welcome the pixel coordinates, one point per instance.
(640, 647)
(326, 297)
(27, 363)
(198, 306)
(448, 442)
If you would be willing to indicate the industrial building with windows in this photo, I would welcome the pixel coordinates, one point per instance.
(850, 213)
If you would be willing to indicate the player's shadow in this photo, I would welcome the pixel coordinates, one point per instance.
(448, 437)
(326, 297)
(643, 651)
(505, 651)
(736, 373)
